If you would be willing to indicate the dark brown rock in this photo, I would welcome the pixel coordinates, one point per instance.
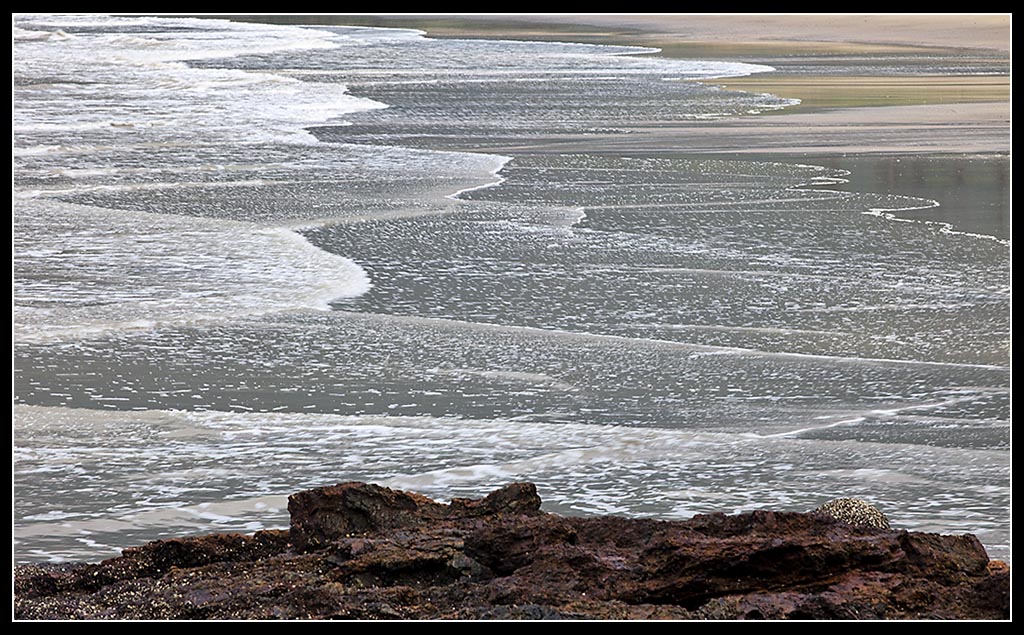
(321, 515)
(326, 513)
(358, 551)
(516, 498)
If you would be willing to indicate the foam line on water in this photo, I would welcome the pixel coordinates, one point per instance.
(500, 161)
(721, 350)
(944, 228)
(915, 203)
(878, 412)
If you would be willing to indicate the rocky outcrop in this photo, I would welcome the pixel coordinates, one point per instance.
(359, 551)
(321, 515)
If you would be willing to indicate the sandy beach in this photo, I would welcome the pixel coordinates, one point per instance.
(948, 128)
(862, 32)
(808, 33)
(869, 87)
(895, 112)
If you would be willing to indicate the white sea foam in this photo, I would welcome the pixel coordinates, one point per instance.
(145, 80)
(499, 162)
(178, 270)
(34, 35)
(703, 69)
(101, 92)
(241, 465)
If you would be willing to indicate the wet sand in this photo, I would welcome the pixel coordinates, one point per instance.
(749, 33)
(974, 191)
(853, 32)
(937, 132)
(826, 91)
(916, 108)
(948, 128)
(879, 94)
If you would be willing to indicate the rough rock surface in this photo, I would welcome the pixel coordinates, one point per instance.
(359, 551)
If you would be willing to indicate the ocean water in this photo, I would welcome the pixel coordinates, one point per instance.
(250, 259)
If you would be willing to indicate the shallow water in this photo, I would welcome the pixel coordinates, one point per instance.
(250, 259)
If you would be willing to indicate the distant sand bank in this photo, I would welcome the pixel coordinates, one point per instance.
(980, 128)
(744, 34)
(870, 32)
(909, 113)
(845, 91)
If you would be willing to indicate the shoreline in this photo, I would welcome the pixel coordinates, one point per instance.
(749, 34)
(954, 124)
(821, 91)
(868, 113)
(960, 129)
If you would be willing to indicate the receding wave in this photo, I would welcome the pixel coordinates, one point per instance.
(233, 484)
(86, 271)
(110, 271)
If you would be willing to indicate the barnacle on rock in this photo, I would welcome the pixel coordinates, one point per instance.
(854, 511)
